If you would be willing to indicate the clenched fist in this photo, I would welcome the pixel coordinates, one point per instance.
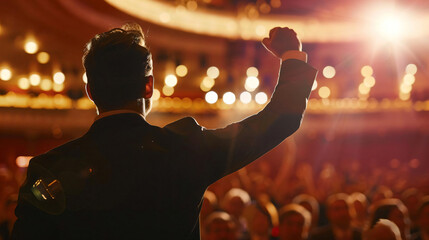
(282, 40)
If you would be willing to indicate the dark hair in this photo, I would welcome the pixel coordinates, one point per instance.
(383, 208)
(116, 64)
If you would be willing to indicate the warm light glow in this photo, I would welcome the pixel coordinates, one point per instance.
(24, 83)
(58, 87)
(404, 96)
(170, 80)
(261, 30)
(411, 69)
(252, 72)
(59, 78)
(405, 88)
(156, 94)
(390, 26)
(43, 57)
(324, 92)
(213, 72)
(46, 85)
(369, 82)
(366, 71)
(245, 97)
(261, 98)
(211, 97)
(167, 91)
(314, 87)
(164, 17)
(329, 72)
(84, 78)
(228, 98)
(251, 84)
(5, 74)
(363, 89)
(409, 79)
(31, 47)
(207, 84)
(181, 70)
(35, 79)
(23, 161)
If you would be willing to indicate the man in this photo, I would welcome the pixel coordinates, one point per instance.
(128, 179)
(340, 219)
(295, 222)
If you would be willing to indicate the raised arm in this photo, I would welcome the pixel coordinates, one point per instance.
(237, 145)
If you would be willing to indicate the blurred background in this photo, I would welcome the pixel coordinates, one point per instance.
(366, 126)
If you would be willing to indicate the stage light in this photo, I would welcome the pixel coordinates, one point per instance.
(409, 79)
(211, 97)
(167, 90)
(24, 83)
(181, 70)
(245, 97)
(252, 72)
(170, 80)
(404, 96)
(260, 30)
(369, 82)
(329, 72)
(251, 84)
(261, 98)
(58, 87)
(59, 78)
(35, 79)
(363, 89)
(46, 85)
(31, 47)
(390, 27)
(228, 98)
(411, 69)
(366, 71)
(156, 94)
(213, 72)
(84, 78)
(324, 92)
(207, 84)
(405, 88)
(164, 17)
(5, 74)
(43, 57)
(192, 5)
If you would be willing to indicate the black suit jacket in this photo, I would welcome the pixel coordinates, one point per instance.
(128, 179)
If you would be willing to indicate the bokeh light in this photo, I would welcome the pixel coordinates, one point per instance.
(366, 71)
(5, 74)
(23, 161)
(31, 47)
(84, 78)
(213, 72)
(58, 87)
(261, 98)
(207, 84)
(181, 70)
(46, 84)
(252, 72)
(211, 97)
(59, 78)
(167, 90)
(156, 94)
(329, 72)
(24, 83)
(251, 84)
(245, 97)
(170, 80)
(324, 92)
(35, 79)
(409, 79)
(228, 98)
(369, 82)
(411, 69)
(43, 57)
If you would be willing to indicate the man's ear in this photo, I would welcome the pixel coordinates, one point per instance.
(88, 92)
(148, 90)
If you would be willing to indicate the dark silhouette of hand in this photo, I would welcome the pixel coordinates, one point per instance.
(282, 40)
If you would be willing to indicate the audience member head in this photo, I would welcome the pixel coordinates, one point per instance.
(219, 226)
(259, 221)
(360, 206)
(119, 69)
(209, 204)
(338, 210)
(423, 215)
(382, 192)
(393, 210)
(235, 201)
(310, 203)
(384, 230)
(411, 197)
(295, 222)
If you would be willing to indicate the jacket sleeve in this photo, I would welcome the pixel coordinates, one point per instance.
(240, 143)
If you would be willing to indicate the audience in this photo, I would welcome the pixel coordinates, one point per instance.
(422, 220)
(295, 222)
(383, 230)
(220, 226)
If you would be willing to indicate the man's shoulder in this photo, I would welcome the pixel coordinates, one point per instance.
(184, 126)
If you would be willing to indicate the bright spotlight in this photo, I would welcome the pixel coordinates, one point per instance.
(211, 97)
(228, 98)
